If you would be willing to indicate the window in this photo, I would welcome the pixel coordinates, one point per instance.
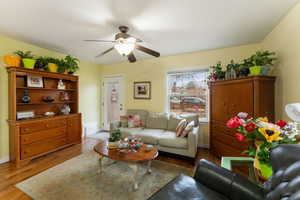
(188, 93)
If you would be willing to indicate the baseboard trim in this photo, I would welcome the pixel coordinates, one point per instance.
(206, 146)
(4, 160)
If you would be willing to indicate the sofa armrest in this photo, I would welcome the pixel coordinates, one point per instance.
(193, 140)
(114, 125)
(226, 182)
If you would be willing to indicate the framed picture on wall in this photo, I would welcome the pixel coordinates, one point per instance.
(142, 90)
(35, 81)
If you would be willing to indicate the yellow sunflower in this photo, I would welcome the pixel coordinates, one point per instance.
(263, 119)
(271, 134)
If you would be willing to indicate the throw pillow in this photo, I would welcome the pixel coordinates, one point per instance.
(187, 129)
(180, 127)
(134, 121)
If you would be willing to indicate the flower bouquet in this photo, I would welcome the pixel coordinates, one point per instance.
(264, 136)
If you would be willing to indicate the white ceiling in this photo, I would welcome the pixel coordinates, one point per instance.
(168, 26)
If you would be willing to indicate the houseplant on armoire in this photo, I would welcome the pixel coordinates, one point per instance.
(263, 135)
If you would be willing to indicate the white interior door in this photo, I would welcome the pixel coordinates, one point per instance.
(113, 99)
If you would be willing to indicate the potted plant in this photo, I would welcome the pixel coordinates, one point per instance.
(41, 63)
(216, 72)
(260, 62)
(71, 64)
(62, 66)
(27, 58)
(52, 64)
(263, 136)
(12, 60)
(232, 70)
(115, 137)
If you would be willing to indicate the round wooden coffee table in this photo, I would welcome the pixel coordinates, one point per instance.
(134, 159)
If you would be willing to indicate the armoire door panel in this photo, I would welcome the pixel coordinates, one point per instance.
(230, 99)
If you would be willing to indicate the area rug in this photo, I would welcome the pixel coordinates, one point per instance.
(78, 178)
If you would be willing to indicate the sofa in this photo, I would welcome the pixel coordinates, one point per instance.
(159, 129)
(211, 182)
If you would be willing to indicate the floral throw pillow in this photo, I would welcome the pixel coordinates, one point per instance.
(187, 129)
(180, 127)
(134, 121)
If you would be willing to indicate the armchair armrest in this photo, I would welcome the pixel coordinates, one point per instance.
(226, 182)
(193, 140)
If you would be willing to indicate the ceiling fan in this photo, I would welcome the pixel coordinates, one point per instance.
(125, 44)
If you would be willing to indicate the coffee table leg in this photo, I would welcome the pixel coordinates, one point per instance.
(100, 164)
(149, 170)
(135, 168)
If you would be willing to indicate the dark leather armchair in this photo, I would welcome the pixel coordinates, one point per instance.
(212, 182)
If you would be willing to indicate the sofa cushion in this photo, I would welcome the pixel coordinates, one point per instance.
(169, 139)
(191, 117)
(150, 136)
(157, 121)
(173, 121)
(142, 113)
(126, 132)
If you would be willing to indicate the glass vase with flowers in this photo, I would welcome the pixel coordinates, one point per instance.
(263, 135)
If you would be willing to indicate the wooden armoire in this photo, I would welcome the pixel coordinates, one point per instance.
(37, 136)
(253, 95)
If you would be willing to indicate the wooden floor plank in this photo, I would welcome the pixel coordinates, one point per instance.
(11, 175)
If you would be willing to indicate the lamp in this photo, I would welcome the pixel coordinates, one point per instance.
(293, 111)
(125, 46)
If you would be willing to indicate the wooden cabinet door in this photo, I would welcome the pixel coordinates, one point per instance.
(229, 99)
(74, 129)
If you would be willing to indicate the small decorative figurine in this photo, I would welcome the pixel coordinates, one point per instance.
(65, 109)
(64, 96)
(26, 98)
(61, 85)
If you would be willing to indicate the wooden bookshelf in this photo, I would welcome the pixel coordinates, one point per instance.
(31, 138)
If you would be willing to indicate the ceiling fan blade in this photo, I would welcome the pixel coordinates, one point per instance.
(100, 41)
(137, 39)
(131, 58)
(104, 52)
(148, 51)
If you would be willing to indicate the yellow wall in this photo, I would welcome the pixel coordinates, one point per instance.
(89, 76)
(155, 70)
(285, 40)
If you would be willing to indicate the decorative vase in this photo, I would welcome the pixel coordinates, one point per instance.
(264, 170)
(26, 98)
(13, 61)
(52, 67)
(255, 70)
(28, 63)
(265, 70)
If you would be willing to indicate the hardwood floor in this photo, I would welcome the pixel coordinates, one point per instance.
(10, 175)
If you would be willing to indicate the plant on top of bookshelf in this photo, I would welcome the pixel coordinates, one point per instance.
(71, 64)
(27, 58)
(260, 62)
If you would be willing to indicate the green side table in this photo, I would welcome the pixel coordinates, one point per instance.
(231, 163)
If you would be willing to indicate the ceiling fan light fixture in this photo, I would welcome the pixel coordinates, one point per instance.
(125, 46)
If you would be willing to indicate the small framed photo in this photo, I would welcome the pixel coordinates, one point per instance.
(35, 81)
(142, 90)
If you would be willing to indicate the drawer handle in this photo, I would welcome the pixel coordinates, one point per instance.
(47, 125)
